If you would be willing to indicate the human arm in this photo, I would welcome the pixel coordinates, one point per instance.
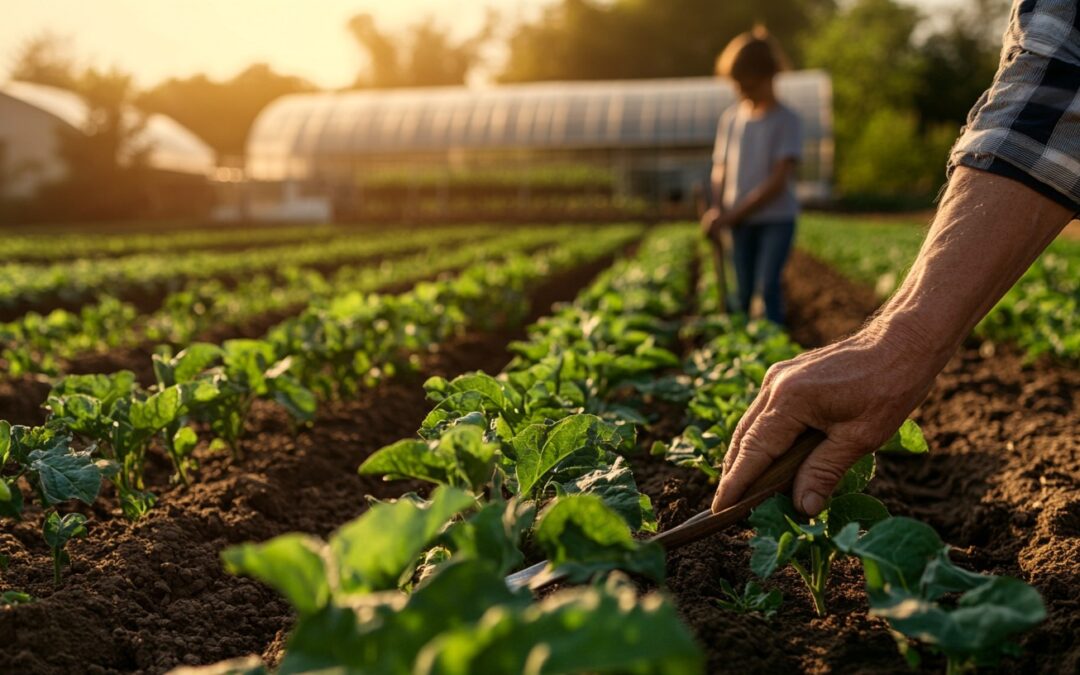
(988, 230)
(711, 217)
(760, 196)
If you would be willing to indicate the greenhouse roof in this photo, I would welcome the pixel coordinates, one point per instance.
(173, 147)
(623, 113)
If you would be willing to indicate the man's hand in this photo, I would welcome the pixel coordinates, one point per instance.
(858, 391)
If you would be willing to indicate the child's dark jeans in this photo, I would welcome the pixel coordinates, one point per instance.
(761, 249)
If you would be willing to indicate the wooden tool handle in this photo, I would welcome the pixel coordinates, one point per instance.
(777, 478)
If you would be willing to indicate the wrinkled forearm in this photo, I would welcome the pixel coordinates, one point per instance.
(987, 232)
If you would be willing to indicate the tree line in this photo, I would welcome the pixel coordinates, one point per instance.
(903, 80)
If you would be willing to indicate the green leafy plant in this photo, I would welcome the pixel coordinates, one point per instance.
(754, 598)
(460, 617)
(912, 583)
(9, 598)
(58, 531)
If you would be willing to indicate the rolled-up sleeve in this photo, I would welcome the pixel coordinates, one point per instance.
(1027, 125)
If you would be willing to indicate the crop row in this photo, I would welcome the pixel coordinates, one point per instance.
(38, 343)
(534, 462)
(80, 280)
(563, 177)
(102, 426)
(73, 244)
(909, 575)
(527, 463)
(1041, 312)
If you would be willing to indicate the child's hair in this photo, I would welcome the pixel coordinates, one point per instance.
(751, 55)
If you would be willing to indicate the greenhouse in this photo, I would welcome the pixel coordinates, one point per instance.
(30, 115)
(644, 143)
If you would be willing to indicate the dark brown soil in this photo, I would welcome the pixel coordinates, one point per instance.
(150, 596)
(1000, 485)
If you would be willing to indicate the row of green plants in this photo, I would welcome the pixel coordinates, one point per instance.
(68, 244)
(83, 279)
(43, 344)
(578, 177)
(102, 426)
(537, 456)
(910, 579)
(1040, 313)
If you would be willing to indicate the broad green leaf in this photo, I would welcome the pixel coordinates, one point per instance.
(470, 457)
(615, 485)
(900, 549)
(58, 531)
(564, 438)
(5, 491)
(12, 507)
(776, 535)
(373, 551)
(772, 517)
(980, 625)
(408, 458)
(582, 537)
(5, 442)
(857, 477)
(846, 538)
(196, 358)
(592, 630)
(908, 438)
(184, 440)
(292, 563)
(492, 535)
(941, 576)
(769, 554)
(297, 400)
(65, 475)
(395, 629)
(858, 508)
(108, 389)
(157, 411)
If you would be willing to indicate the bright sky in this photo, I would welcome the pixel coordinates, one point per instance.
(156, 39)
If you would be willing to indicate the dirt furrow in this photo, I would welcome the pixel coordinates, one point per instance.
(151, 596)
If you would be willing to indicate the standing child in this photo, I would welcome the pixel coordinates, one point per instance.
(758, 145)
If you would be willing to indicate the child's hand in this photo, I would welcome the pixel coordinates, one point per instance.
(709, 222)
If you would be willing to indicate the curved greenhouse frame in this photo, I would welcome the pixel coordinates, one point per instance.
(656, 136)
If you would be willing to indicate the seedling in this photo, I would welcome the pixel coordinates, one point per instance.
(754, 598)
(58, 531)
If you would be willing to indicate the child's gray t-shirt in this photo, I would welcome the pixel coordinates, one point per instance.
(749, 147)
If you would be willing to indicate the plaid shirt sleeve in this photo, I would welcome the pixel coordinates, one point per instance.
(1027, 125)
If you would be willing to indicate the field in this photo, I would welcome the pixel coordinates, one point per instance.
(308, 448)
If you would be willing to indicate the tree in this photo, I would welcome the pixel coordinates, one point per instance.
(221, 113)
(424, 56)
(959, 62)
(107, 174)
(46, 59)
(589, 39)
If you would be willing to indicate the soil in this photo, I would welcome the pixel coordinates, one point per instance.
(150, 596)
(1000, 485)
